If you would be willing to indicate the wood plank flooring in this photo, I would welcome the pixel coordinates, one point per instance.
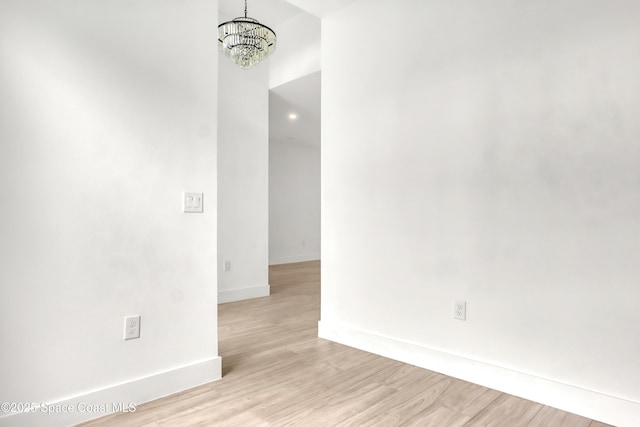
(277, 372)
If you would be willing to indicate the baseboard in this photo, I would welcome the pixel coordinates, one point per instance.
(116, 398)
(243, 293)
(587, 403)
(294, 258)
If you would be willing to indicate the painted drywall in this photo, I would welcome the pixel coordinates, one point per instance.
(243, 181)
(494, 159)
(106, 118)
(298, 51)
(294, 202)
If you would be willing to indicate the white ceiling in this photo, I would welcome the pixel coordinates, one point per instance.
(269, 12)
(320, 8)
(301, 97)
(275, 12)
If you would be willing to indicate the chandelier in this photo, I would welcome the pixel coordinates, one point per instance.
(246, 41)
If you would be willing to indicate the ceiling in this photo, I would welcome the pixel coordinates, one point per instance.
(268, 12)
(275, 12)
(302, 98)
(320, 8)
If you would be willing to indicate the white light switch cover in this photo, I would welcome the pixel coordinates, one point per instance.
(193, 202)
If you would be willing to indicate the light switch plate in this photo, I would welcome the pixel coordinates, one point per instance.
(194, 202)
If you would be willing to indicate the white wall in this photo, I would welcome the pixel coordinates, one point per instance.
(495, 159)
(243, 186)
(106, 117)
(298, 50)
(294, 202)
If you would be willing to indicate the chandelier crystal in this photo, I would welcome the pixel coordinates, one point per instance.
(246, 41)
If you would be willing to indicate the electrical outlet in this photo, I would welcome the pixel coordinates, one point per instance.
(460, 310)
(227, 266)
(131, 327)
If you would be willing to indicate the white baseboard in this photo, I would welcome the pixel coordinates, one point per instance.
(587, 403)
(105, 401)
(294, 258)
(243, 293)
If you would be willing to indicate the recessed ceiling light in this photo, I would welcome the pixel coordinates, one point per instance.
(293, 116)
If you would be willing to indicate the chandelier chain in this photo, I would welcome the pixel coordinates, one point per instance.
(245, 8)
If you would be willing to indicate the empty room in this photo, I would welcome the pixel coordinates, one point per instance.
(319, 213)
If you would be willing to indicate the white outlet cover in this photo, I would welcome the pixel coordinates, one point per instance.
(460, 310)
(193, 202)
(131, 327)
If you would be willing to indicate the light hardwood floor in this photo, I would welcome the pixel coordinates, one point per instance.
(276, 372)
